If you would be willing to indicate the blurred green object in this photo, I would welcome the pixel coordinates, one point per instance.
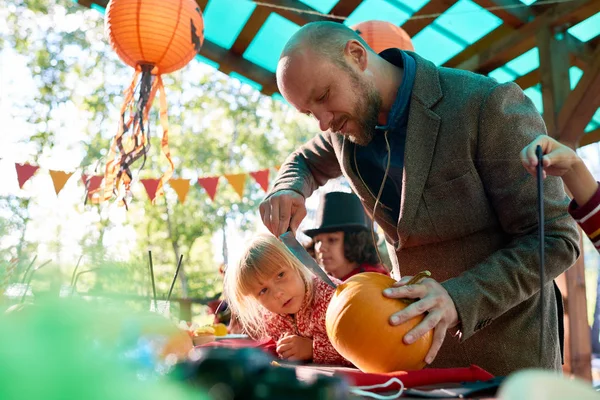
(66, 349)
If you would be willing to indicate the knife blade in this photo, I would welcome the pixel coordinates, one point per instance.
(301, 254)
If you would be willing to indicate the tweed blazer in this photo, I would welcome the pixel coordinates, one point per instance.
(468, 213)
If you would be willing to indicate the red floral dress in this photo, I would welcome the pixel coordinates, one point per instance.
(309, 322)
(367, 268)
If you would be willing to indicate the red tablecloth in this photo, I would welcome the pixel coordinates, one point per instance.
(355, 377)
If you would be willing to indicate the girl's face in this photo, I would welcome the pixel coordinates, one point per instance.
(329, 251)
(283, 293)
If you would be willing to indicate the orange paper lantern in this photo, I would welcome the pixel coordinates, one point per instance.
(166, 34)
(382, 35)
(155, 37)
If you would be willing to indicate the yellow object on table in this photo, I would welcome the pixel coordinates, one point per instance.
(220, 329)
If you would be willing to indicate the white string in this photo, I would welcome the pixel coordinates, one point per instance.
(414, 17)
(364, 390)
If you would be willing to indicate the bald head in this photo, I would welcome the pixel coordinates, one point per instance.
(327, 70)
(323, 38)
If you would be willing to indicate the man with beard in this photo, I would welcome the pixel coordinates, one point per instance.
(433, 154)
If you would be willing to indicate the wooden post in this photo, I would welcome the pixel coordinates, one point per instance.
(554, 77)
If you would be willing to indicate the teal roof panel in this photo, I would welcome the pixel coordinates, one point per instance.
(587, 29)
(435, 46)
(468, 21)
(535, 94)
(377, 10)
(503, 75)
(268, 43)
(575, 75)
(245, 80)
(322, 6)
(526, 62)
(414, 5)
(221, 25)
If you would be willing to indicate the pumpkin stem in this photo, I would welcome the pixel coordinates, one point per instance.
(418, 277)
(414, 280)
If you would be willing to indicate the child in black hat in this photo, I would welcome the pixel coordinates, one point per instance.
(343, 243)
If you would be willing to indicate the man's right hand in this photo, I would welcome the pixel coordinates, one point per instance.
(284, 209)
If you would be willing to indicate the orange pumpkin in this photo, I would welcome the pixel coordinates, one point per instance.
(358, 327)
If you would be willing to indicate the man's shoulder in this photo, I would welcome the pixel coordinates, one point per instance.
(466, 81)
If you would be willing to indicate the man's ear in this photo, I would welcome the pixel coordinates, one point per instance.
(357, 53)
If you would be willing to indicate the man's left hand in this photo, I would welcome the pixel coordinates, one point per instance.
(434, 300)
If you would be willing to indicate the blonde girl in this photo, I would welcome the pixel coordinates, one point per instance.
(276, 297)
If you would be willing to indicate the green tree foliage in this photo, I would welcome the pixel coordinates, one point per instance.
(217, 126)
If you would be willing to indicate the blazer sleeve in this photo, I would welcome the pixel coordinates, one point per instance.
(508, 121)
(309, 167)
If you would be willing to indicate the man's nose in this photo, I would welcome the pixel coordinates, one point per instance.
(324, 119)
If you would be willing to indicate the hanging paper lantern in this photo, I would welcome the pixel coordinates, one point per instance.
(357, 323)
(381, 35)
(155, 37)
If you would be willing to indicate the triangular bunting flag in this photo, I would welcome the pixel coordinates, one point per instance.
(59, 178)
(24, 172)
(92, 182)
(210, 185)
(181, 187)
(237, 181)
(151, 185)
(277, 167)
(262, 178)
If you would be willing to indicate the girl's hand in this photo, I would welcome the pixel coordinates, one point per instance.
(295, 348)
(559, 159)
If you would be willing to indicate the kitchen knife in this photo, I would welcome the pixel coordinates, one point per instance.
(301, 254)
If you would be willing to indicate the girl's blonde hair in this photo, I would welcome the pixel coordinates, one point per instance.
(262, 259)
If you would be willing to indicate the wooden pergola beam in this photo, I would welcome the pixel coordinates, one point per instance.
(480, 45)
(249, 31)
(554, 76)
(590, 137)
(582, 103)
(528, 80)
(582, 51)
(416, 24)
(521, 40)
(229, 61)
(514, 14)
(344, 8)
(299, 18)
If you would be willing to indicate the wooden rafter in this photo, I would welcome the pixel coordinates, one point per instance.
(514, 43)
(581, 51)
(529, 79)
(581, 104)
(344, 8)
(232, 62)
(249, 31)
(416, 25)
(590, 137)
(514, 15)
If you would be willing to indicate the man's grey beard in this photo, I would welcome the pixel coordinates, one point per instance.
(368, 124)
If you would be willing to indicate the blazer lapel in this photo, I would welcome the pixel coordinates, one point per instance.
(421, 137)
